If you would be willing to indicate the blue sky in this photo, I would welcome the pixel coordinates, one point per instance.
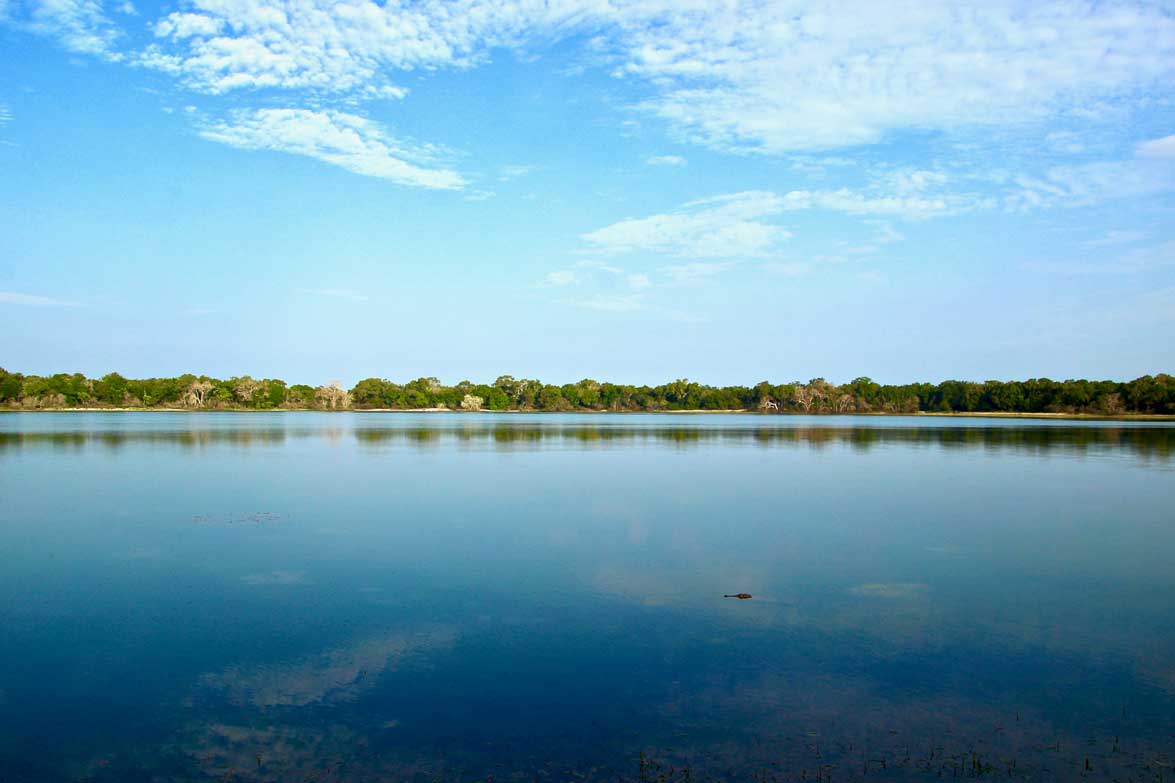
(632, 191)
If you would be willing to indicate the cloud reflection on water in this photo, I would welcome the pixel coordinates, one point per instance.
(336, 675)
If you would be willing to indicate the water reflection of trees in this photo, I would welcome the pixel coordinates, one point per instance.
(1146, 441)
(116, 439)
(1158, 442)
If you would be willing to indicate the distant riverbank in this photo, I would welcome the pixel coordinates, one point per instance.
(742, 411)
(1142, 397)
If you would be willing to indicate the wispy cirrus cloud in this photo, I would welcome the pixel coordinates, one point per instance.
(562, 277)
(841, 74)
(81, 26)
(1064, 142)
(905, 193)
(592, 285)
(337, 293)
(742, 225)
(774, 78)
(1150, 171)
(587, 271)
(666, 160)
(1136, 260)
(623, 303)
(1117, 237)
(32, 300)
(345, 140)
(764, 77)
(696, 271)
(909, 206)
(508, 173)
(1157, 148)
(727, 226)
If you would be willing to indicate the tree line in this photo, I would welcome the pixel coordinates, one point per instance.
(1146, 395)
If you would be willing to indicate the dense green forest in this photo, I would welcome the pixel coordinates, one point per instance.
(1145, 395)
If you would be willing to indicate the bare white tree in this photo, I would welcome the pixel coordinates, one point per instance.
(332, 396)
(245, 388)
(804, 397)
(471, 402)
(197, 394)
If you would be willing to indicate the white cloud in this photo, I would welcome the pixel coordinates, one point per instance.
(337, 293)
(816, 165)
(886, 233)
(344, 140)
(507, 173)
(695, 271)
(666, 160)
(731, 225)
(181, 26)
(595, 272)
(80, 25)
(912, 194)
(791, 76)
(10, 297)
(739, 225)
(638, 282)
(1095, 182)
(1117, 237)
(563, 277)
(1137, 260)
(776, 77)
(611, 304)
(5, 114)
(1065, 142)
(602, 287)
(907, 181)
(787, 268)
(770, 77)
(1158, 148)
(911, 206)
(1144, 259)
(333, 47)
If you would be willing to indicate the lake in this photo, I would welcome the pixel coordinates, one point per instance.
(366, 597)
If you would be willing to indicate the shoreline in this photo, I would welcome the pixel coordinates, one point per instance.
(936, 414)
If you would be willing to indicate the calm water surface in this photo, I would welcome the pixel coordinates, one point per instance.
(366, 597)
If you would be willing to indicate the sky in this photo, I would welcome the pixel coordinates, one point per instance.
(630, 191)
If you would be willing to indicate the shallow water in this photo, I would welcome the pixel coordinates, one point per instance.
(360, 597)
